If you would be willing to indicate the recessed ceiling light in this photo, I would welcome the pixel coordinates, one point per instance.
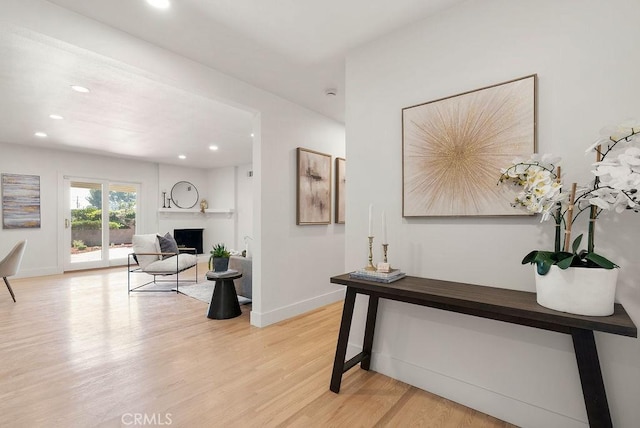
(182, 157)
(252, 135)
(79, 88)
(214, 148)
(56, 116)
(160, 4)
(40, 134)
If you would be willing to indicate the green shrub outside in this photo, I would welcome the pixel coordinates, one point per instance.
(79, 244)
(95, 224)
(91, 218)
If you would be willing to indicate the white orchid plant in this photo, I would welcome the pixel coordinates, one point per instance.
(614, 188)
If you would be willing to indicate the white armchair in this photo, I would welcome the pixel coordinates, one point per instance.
(11, 263)
(157, 255)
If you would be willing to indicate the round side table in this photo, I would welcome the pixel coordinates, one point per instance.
(224, 301)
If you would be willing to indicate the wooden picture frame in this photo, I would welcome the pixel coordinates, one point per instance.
(339, 216)
(313, 187)
(453, 149)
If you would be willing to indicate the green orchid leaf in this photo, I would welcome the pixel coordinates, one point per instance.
(529, 258)
(544, 261)
(536, 256)
(566, 262)
(544, 266)
(576, 244)
(563, 259)
(600, 261)
(545, 255)
(562, 255)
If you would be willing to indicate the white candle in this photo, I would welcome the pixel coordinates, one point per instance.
(370, 219)
(384, 228)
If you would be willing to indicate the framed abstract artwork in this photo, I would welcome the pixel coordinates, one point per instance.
(20, 201)
(339, 216)
(313, 193)
(453, 149)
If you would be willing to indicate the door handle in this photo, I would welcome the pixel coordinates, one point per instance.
(66, 223)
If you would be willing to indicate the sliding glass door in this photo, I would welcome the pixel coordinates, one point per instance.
(100, 221)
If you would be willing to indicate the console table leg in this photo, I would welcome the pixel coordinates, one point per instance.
(369, 330)
(343, 340)
(595, 397)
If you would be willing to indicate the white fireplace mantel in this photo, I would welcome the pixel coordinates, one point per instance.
(195, 211)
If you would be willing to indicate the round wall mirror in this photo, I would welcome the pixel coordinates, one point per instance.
(184, 195)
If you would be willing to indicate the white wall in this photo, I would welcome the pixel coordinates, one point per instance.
(297, 260)
(168, 176)
(42, 256)
(587, 77)
(284, 255)
(222, 194)
(219, 186)
(244, 205)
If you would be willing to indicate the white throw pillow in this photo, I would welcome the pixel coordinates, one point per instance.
(146, 244)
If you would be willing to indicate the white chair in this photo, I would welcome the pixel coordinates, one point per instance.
(11, 263)
(148, 257)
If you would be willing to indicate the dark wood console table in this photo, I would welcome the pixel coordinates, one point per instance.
(512, 306)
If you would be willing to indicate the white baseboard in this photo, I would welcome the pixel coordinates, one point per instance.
(28, 273)
(264, 319)
(506, 408)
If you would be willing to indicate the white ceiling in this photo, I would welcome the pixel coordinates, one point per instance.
(127, 113)
(295, 49)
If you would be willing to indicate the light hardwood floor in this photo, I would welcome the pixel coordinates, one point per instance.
(77, 351)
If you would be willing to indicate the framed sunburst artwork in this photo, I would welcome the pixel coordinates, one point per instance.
(453, 149)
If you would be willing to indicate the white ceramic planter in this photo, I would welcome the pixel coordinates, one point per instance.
(581, 291)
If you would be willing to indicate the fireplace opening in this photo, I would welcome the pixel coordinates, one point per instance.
(190, 238)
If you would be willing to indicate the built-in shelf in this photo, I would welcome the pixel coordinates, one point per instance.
(195, 211)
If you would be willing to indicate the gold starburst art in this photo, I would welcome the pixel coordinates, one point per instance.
(453, 149)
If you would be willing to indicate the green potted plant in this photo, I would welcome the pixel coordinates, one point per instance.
(219, 259)
(614, 188)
